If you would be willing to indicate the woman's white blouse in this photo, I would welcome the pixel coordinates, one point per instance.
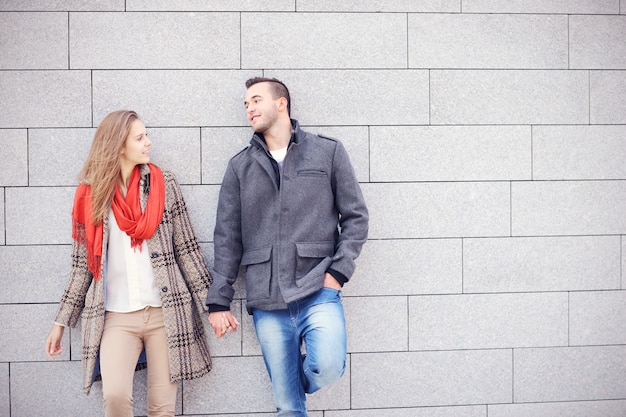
(129, 280)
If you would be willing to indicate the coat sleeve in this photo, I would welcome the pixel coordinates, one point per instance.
(186, 248)
(73, 298)
(354, 216)
(227, 241)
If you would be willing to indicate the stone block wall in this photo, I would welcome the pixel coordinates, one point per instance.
(489, 137)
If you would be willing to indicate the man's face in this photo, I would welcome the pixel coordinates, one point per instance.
(261, 108)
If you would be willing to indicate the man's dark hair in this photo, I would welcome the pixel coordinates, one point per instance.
(277, 88)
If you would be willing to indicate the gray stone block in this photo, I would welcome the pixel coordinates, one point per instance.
(21, 47)
(438, 210)
(541, 264)
(5, 395)
(39, 215)
(201, 201)
(488, 321)
(56, 156)
(51, 164)
(450, 153)
(597, 42)
(2, 217)
(364, 324)
(177, 150)
(568, 208)
(597, 318)
(173, 98)
(74, 340)
(64, 5)
(34, 274)
(342, 40)
(219, 144)
(235, 385)
(24, 331)
(608, 97)
(207, 253)
(579, 152)
(250, 346)
(570, 374)
(165, 40)
(210, 5)
(338, 98)
(427, 6)
(45, 99)
(488, 41)
(509, 97)
(460, 411)
(14, 157)
(615, 408)
(381, 380)
(531, 6)
(407, 267)
(52, 389)
(335, 396)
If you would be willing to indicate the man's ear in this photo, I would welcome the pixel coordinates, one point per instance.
(282, 104)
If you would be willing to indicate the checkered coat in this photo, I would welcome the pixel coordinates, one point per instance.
(181, 275)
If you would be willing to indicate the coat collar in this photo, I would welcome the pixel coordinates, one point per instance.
(297, 136)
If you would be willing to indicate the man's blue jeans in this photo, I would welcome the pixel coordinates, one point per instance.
(317, 320)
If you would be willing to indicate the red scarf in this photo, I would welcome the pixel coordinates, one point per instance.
(127, 211)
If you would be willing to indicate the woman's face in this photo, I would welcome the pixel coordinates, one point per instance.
(136, 149)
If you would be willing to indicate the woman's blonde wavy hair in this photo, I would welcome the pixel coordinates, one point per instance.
(102, 169)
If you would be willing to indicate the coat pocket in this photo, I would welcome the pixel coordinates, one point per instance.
(312, 261)
(258, 264)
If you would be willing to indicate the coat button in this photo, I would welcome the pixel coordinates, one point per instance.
(164, 289)
(154, 255)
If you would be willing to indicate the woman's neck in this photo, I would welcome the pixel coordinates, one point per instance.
(125, 178)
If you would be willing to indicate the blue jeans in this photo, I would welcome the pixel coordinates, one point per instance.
(317, 321)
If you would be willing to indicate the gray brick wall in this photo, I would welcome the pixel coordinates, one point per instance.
(489, 137)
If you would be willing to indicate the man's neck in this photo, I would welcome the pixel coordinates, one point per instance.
(278, 136)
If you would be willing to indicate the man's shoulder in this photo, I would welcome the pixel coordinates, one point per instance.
(326, 137)
(241, 154)
(322, 139)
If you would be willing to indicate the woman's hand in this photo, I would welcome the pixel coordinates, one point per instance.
(223, 321)
(53, 342)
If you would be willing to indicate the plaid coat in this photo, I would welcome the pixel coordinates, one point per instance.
(180, 273)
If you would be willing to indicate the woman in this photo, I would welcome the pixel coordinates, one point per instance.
(137, 276)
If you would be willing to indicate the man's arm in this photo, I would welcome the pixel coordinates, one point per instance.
(354, 216)
(227, 251)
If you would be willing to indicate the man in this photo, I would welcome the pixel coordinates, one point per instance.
(291, 212)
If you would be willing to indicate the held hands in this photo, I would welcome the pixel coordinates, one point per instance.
(53, 342)
(222, 322)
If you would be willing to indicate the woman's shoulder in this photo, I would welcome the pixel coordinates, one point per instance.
(167, 174)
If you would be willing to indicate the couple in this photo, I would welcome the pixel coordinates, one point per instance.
(290, 211)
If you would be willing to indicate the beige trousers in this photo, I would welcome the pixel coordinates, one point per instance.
(125, 335)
